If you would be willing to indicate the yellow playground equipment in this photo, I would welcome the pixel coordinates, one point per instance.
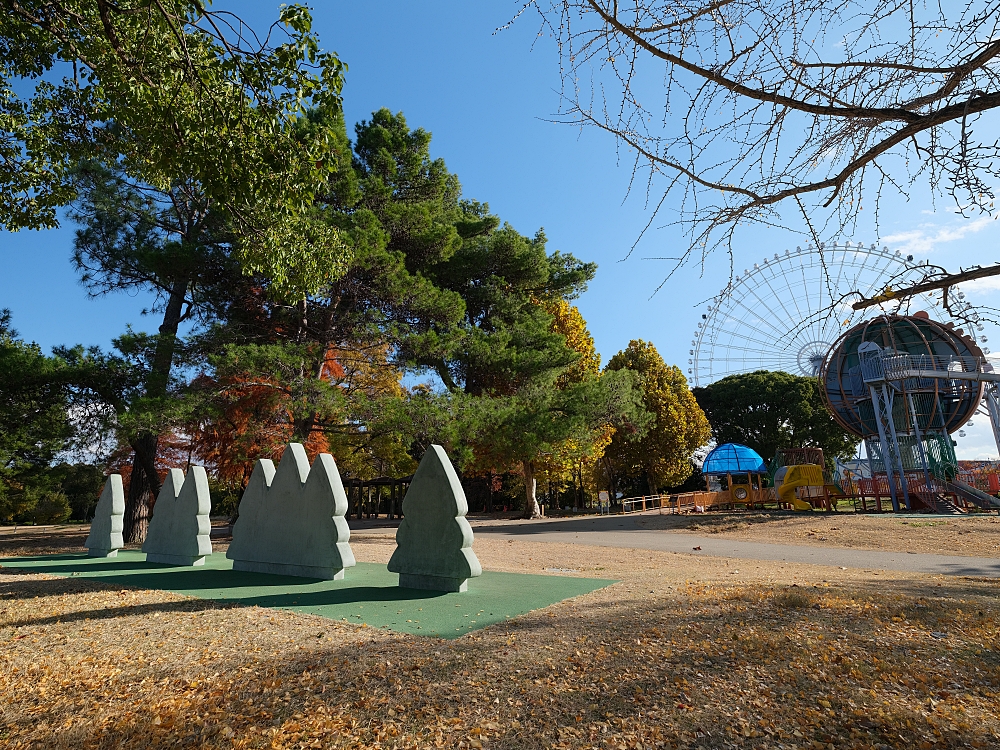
(788, 479)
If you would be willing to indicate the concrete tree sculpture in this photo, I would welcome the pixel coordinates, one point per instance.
(434, 541)
(105, 538)
(292, 521)
(179, 530)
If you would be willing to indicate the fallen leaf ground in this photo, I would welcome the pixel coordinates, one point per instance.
(683, 652)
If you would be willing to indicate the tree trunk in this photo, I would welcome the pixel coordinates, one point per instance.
(141, 490)
(612, 484)
(145, 482)
(531, 509)
(302, 428)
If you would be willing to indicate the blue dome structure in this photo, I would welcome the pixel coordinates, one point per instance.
(733, 458)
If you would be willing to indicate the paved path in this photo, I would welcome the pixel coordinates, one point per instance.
(623, 531)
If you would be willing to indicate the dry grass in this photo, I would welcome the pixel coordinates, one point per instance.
(44, 540)
(977, 536)
(672, 656)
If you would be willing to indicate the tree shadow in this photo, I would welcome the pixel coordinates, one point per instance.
(535, 527)
(700, 680)
(299, 600)
(30, 541)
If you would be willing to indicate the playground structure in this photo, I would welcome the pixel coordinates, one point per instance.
(983, 475)
(904, 384)
(737, 477)
(800, 480)
(789, 479)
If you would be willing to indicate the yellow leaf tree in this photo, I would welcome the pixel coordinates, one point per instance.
(571, 462)
(663, 455)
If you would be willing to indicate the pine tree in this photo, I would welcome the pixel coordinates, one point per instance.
(434, 541)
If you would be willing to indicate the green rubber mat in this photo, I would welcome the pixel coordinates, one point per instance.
(368, 594)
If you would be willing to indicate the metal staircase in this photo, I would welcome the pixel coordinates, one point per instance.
(938, 502)
(889, 375)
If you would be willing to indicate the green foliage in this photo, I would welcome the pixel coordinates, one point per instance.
(171, 242)
(225, 497)
(398, 211)
(169, 91)
(48, 506)
(535, 396)
(505, 341)
(414, 197)
(330, 363)
(539, 417)
(771, 410)
(678, 427)
(385, 268)
(34, 426)
(410, 424)
(81, 484)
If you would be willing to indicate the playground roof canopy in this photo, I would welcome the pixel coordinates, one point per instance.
(733, 458)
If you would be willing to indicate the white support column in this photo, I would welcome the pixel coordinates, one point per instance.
(888, 459)
(993, 407)
(897, 455)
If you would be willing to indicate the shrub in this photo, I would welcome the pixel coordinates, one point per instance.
(51, 507)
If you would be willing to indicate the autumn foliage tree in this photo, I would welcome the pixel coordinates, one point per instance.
(662, 456)
(260, 399)
(571, 462)
(318, 368)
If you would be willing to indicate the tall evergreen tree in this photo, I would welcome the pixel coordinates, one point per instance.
(172, 244)
(322, 363)
(507, 352)
(772, 410)
(34, 428)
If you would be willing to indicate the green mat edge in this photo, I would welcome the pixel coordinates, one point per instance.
(582, 586)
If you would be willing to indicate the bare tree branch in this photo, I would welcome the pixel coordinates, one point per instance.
(742, 111)
(943, 281)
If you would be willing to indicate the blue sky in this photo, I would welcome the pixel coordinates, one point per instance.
(488, 99)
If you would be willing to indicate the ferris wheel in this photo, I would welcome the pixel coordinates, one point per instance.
(787, 311)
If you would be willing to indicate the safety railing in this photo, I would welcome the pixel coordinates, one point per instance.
(903, 366)
(644, 503)
(693, 501)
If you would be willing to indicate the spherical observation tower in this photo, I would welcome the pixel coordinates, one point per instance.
(904, 383)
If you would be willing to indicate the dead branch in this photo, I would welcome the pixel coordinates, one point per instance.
(941, 282)
(759, 106)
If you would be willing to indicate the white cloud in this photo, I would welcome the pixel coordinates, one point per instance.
(978, 443)
(925, 239)
(989, 284)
